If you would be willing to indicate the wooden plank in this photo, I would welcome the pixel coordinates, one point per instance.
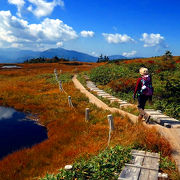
(144, 174)
(155, 154)
(145, 166)
(132, 172)
(142, 167)
(129, 173)
(152, 164)
(145, 155)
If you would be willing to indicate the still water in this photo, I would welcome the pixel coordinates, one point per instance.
(17, 131)
(10, 66)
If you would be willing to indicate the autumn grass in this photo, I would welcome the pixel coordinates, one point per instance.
(33, 89)
(131, 109)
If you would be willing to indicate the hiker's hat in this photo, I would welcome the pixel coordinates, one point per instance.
(143, 71)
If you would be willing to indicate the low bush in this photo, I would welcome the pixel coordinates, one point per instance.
(105, 74)
(107, 165)
(124, 85)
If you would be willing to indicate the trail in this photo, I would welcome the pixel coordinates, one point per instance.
(171, 134)
(93, 99)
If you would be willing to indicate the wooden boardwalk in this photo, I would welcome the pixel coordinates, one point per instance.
(156, 115)
(103, 94)
(171, 134)
(144, 166)
(162, 119)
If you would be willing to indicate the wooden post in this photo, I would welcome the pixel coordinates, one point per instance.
(111, 126)
(69, 101)
(60, 86)
(60, 71)
(56, 75)
(87, 114)
(111, 122)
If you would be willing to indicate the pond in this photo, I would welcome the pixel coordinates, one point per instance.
(10, 66)
(18, 131)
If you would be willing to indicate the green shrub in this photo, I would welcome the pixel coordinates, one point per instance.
(120, 79)
(166, 163)
(104, 74)
(107, 165)
(65, 77)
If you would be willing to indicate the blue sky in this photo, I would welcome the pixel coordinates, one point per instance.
(130, 28)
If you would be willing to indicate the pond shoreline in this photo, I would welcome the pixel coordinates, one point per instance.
(19, 130)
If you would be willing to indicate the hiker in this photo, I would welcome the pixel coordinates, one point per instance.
(144, 91)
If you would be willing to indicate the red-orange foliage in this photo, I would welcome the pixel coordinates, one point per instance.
(123, 84)
(150, 62)
(140, 136)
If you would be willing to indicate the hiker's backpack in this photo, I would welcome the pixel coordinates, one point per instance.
(146, 88)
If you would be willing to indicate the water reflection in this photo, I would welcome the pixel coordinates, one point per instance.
(17, 131)
(6, 113)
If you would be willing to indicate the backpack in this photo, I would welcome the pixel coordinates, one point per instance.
(146, 88)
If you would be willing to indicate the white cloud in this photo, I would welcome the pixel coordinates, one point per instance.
(19, 4)
(17, 31)
(151, 40)
(16, 45)
(42, 8)
(59, 44)
(117, 38)
(30, 8)
(129, 54)
(94, 54)
(87, 33)
(53, 30)
(5, 33)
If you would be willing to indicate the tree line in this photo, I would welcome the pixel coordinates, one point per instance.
(103, 59)
(55, 59)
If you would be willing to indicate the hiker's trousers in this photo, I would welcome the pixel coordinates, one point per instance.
(142, 99)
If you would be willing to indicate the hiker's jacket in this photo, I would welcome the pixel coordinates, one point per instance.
(139, 85)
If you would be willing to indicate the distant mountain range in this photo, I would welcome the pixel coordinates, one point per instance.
(116, 57)
(13, 55)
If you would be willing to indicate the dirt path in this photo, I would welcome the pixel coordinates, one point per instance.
(93, 99)
(172, 135)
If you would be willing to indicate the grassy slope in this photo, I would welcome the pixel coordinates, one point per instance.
(120, 79)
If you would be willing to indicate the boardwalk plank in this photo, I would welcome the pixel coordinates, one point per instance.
(145, 166)
(130, 173)
(151, 163)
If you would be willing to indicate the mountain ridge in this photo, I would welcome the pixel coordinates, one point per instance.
(14, 55)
